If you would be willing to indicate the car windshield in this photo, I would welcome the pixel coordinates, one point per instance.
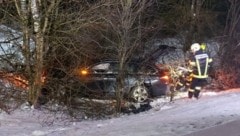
(102, 66)
(130, 68)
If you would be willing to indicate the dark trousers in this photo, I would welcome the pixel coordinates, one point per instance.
(196, 86)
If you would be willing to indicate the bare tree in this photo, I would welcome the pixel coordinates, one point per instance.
(124, 20)
(233, 19)
(229, 71)
(36, 13)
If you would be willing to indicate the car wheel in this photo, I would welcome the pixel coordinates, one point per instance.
(139, 94)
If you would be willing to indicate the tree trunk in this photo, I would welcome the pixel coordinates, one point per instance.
(29, 11)
(22, 7)
(38, 69)
(39, 54)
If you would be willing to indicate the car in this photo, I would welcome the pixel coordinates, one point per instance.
(143, 81)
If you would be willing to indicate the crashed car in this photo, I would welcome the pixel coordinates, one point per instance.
(142, 80)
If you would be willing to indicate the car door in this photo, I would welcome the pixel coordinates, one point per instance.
(103, 76)
(131, 76)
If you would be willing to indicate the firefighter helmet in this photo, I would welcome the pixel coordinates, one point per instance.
(195, 47)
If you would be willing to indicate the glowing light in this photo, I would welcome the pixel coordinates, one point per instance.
(166, 79)
(15, 80)
(84, 72)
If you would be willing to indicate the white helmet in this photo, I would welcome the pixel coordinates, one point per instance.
(195, 47)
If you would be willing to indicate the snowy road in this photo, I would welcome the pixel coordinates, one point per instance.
(183, 117)
(180, 118)
(226, 129)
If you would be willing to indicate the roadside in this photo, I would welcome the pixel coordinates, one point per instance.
(227, 129)
(213, 112)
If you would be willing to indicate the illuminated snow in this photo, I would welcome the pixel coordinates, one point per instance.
(178, 118)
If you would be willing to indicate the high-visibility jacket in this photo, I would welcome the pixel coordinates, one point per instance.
(200, 64)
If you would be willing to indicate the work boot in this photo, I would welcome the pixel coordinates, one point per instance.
(196, 94)
(190, 93)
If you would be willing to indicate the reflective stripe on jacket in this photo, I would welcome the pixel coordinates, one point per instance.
(200, 63)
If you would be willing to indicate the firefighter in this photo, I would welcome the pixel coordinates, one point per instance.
(199, 62)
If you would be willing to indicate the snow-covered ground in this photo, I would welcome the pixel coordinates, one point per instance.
(179, 118)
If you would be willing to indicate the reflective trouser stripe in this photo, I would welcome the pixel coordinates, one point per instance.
(198, 88)
(190, 90)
